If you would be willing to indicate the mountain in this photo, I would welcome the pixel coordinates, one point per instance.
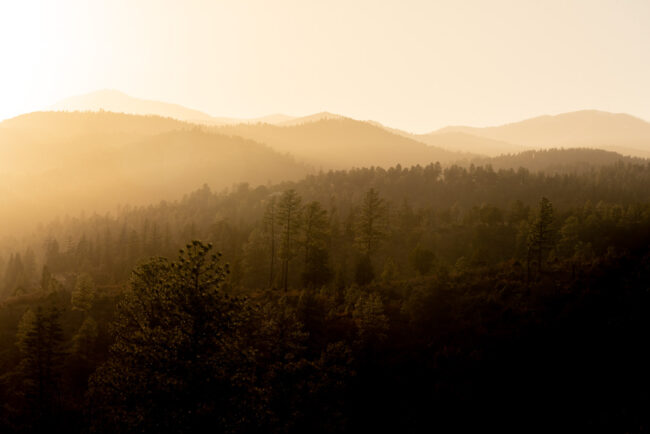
(119, 102)
(57, 163)
(115, 101)
(337, 142)
(587, 128)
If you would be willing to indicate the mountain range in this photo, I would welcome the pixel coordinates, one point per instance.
(616, 132)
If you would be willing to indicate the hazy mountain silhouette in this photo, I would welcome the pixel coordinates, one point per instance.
(57, 163)
(587, 128)
(119, 102)
(116, 101)
(338, 142)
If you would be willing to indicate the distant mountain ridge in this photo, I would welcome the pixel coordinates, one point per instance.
(621, 133)
(119, 102)
(616, 132)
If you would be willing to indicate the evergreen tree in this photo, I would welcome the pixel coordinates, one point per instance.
(422, 260)
(315, 240)
(540, 235)
(270, 226)
(371, 224)
(39, 339)
(289, 219)
(83, 294)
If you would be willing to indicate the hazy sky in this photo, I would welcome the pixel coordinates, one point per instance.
(416, 65)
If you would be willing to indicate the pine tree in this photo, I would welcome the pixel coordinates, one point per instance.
(39, 339)
(540, 235)
(289, 219)
(315, 239)
(370, 230)
(371, 224)
(83, 295)
(270, 225)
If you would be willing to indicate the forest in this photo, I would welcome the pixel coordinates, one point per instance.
(403, 299)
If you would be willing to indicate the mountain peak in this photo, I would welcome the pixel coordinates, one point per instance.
(116, 101)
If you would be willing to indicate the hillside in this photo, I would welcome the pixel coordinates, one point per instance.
(61, 163)
(339, 143)
(587, 128)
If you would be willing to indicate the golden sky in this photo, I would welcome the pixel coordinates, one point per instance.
(417, 65)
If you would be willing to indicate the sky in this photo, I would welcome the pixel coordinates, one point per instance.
(415, 65)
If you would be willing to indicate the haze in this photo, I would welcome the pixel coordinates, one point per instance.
(289, 217)
(414, 65)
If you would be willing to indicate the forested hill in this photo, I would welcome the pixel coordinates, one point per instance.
(558, 160)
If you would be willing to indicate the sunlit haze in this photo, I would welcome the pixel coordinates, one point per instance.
(415, 65)
(324, 217)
